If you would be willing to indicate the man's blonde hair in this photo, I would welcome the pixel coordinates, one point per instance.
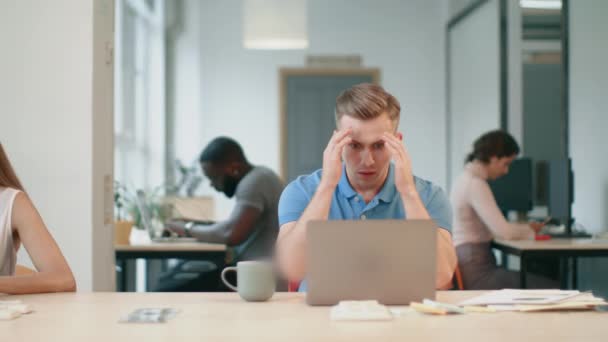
(367, 101)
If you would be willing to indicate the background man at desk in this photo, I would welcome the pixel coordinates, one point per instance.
(252, 226)
(358, 181)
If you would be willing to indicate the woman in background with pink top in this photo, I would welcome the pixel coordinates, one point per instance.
(478, 220)
(21, 223)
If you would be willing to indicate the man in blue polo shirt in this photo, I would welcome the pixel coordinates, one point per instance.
(366, 174)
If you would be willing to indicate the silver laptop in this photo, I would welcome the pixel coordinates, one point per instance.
(391, 261)
(146, 218)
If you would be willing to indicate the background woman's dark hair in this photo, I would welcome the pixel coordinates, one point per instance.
(497, 144)
(8, 177)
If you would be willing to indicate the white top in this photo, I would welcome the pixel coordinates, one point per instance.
(477, 217)
(8, 253)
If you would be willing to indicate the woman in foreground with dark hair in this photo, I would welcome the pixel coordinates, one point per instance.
(21, 223)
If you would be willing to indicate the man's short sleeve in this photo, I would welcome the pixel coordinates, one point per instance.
(250, 191)
(293, 202)
(439, 208)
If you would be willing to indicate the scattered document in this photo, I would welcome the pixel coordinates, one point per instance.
(535, 300)
(512, 297)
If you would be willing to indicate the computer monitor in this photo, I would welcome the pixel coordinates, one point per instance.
(560, 191)
(514, 190)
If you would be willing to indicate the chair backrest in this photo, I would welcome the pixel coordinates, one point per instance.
(23, 270)
(457, 279)
(293, 286)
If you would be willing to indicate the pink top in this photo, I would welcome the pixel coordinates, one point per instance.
(477, 217)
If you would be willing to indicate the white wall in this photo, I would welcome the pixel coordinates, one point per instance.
(474, 82)
(46, 124)
(588, 116)
(238, 94)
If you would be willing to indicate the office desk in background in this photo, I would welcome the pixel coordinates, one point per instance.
(215, 253)
(94, 317)
(567, 250)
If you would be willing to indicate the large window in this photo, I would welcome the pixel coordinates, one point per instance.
(139, 125)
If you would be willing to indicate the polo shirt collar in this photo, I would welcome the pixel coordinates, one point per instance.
(386, 194)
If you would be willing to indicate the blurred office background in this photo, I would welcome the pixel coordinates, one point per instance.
(97, 91)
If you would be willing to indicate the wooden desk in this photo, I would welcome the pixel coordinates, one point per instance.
(224, 316)
(168, 250)
(567, 250)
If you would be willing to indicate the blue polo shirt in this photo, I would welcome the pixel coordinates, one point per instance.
(347, 204)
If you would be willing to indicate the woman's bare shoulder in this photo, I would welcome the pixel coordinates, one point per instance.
(23, 209)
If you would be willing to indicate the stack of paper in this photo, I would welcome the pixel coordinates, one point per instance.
(364, 310)
(535, 300)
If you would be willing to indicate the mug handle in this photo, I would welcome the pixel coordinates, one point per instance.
(224, 271)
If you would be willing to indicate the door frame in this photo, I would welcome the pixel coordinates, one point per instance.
(284, 73)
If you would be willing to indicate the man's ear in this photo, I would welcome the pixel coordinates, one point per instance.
(399, 136)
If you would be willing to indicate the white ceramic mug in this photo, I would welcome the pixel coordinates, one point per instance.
(255, 280)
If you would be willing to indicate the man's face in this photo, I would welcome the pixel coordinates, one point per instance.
(498, 167)
(221, 177)
(366, 158)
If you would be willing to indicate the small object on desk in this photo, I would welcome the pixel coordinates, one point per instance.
(450, 308)
(542, 237)
(21, 308)
(15, 305)
(478, 309)
(364, 310)
(428, 309)
(550, 229)
(150, 315)
(8, 314)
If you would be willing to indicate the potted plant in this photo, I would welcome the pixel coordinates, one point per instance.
(123, 222)
(128, 214)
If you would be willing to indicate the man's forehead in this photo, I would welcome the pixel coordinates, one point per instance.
(366, 128)
(367, 137)
(369, 133)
